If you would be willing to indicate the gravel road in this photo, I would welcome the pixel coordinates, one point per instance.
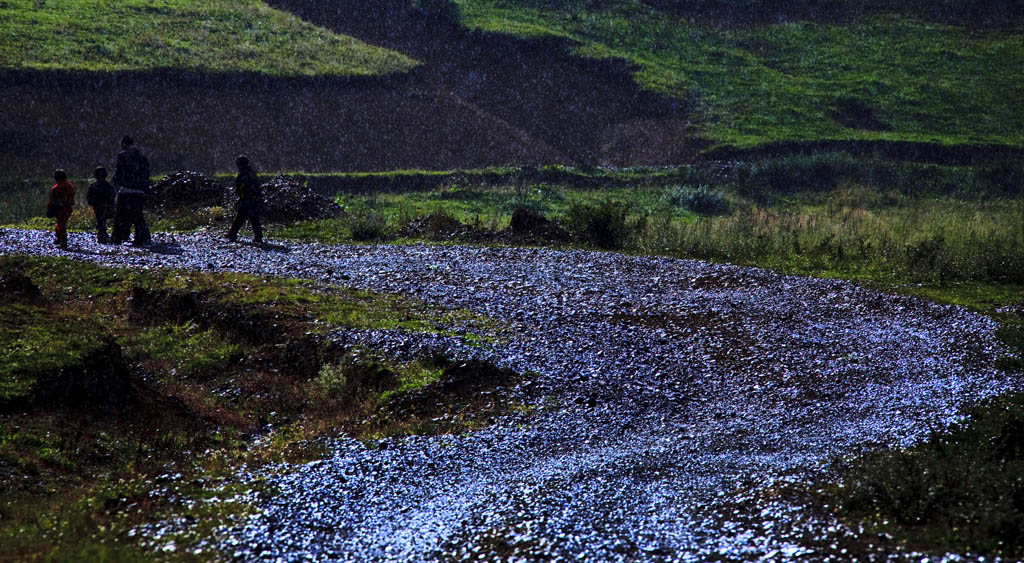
(671, 395)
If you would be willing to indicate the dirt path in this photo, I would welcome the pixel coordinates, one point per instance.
(669, 393)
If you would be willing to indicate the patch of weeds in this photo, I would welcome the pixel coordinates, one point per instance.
(700, 199)
(603, 226)
(366, 228)
(330, 231)
(958, 491)
(414, 376)
(439, 396)
(187, 220)
(184, 349)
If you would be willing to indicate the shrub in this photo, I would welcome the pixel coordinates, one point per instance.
(700, 200)
(330, 383)
(603, 226)
(796, 173)
(368, 228)
(526, 219)
(959, 490)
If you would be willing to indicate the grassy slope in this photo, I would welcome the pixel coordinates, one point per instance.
(785, 82)
(76, 478)
(221, 36)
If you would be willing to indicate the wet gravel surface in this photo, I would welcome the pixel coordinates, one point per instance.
(670, 392)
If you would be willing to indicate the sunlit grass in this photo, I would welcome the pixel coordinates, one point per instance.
(909, 232)
(918, 80)
(220, 36)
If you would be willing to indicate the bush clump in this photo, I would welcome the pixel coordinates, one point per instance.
(959, 490)
(701, 200)
(367, 228)
(528, 223)
(603, 226)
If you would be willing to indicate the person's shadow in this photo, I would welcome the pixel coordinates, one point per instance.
(268, 246)
(166, 248)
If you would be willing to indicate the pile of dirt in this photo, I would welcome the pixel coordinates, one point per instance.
(187, 189)
(285, 199)
(289, 199)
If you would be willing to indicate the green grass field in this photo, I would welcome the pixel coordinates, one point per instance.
(879, 77)
(219, 36)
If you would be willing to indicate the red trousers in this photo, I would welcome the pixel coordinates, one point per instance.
(63, 216)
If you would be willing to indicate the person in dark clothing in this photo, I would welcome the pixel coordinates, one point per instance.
(101, 196)
(131, 176)
(250, 201)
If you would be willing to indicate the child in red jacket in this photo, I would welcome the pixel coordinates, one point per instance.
(62, 194)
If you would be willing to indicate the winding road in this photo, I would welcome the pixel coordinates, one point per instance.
(673, 396)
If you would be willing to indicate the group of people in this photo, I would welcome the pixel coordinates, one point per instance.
(125, 199)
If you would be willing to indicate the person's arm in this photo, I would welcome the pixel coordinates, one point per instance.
(119, 168)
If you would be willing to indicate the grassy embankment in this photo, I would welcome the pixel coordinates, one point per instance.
(893, 73)
(129, 398)
(218, 37)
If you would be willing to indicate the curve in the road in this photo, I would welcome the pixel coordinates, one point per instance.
(666, 386)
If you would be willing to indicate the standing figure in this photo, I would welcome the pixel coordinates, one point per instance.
(132, 180)
(101, 196)
(250, 201)
(62, 198)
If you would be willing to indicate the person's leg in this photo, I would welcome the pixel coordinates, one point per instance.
(122, 224)
(63, 216)
(139, 220)
(101, 224)
(257, 227)
(129, 216)
(57, 228)
(103, 214)
(240, 218)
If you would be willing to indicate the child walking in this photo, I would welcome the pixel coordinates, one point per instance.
(62, 196)
(101, 197)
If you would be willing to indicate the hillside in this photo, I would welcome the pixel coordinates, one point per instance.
(610, 82)
(761, 71)
(218, 36)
